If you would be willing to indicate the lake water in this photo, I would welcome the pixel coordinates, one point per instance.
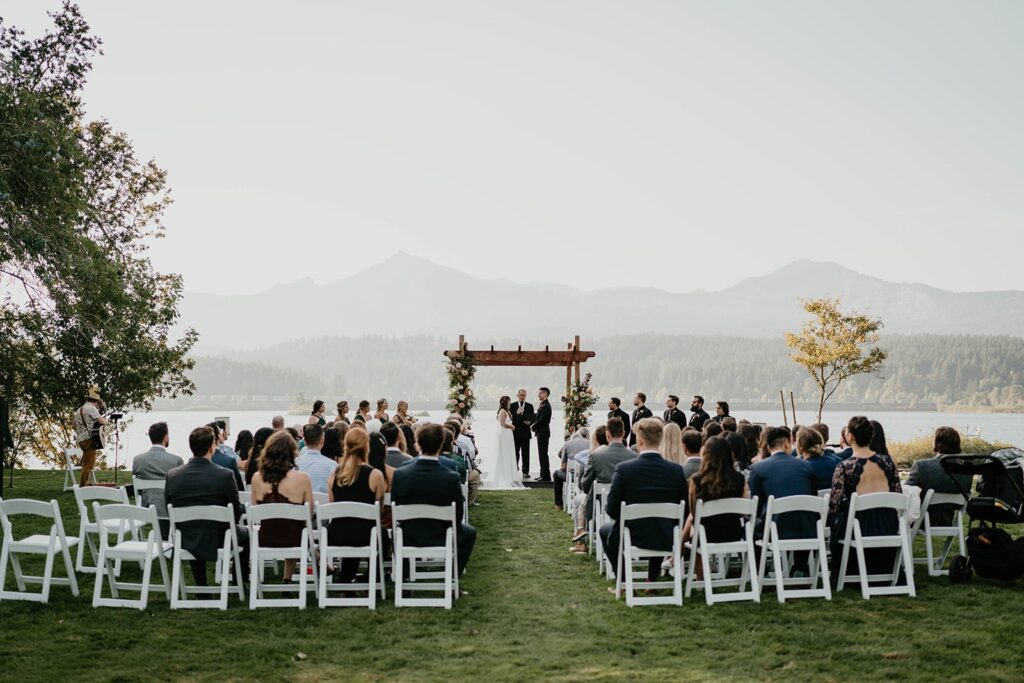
(898, 427)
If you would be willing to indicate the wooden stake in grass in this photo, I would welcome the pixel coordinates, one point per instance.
(792, 404)
(782, 400)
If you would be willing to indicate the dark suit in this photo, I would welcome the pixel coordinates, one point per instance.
(698, 419)
(542, 428)
(647, 478)
(824, 467)
(675, 415)
(427, 482)
(521, 433)
(201, 482)
(783, 475)
(624, 416)
(229, 463)
(928, 474)
(600, 468)
(640, 413)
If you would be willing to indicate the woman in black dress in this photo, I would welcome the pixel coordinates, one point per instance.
(354, 481)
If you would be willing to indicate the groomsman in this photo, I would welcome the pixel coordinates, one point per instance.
(614, 410)
(699, 416)
(640, 411)
(522, 418)
(542, 428)
(673, 414)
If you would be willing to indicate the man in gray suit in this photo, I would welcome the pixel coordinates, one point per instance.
(692, 443)
(602, 462)
(155, 464)
(395, 457)
(928, 474)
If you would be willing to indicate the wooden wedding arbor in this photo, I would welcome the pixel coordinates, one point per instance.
(570, 359)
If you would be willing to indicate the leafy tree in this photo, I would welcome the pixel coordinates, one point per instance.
(80, 302)
(831, 346)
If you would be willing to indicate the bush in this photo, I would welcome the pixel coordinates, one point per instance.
(904, 453)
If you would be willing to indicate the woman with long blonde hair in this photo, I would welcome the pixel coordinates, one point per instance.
(353, 481)
(672, 443)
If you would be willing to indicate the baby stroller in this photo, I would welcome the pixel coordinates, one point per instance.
(991, 552)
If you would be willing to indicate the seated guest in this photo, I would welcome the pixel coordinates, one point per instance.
(738, 446)
(448, 451)
(259, 442)
(863, 472)
(354, 481)
(277, 423)
(711, 428)
(243, 447)
(277, 481)
(407, 444)
(222, 457)
(845, 450)
(333, 439)
(716, 479)
(154, 464)
(425, 481)
(377, 459)
(465, 447)
(927, 473)
(751, 435)
(822, 429)
(782, 475)
(810, 445)
(671, 447)
(692, 442)
(577, 442)
(602, 462)
(313, 462)
(392, 436)
(200, 482)
(878, 444)
(729, 424)
(647, 478)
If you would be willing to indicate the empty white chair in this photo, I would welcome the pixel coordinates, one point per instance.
(141, 485)
(720, 552)
(447, 580)
(143, 552)
(854, 539)
(373, 553)
(257, 515)
(48, 545)
(228, 555)
(781, 549)
(71, 470)
(89, 530)
(630, 553)
(597, 520)
(951, 533)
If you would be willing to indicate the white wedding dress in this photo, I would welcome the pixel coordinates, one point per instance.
(505, 475)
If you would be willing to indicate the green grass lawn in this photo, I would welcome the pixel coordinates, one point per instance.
(533, 612)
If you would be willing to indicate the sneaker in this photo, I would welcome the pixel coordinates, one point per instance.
(579, 549)
(579, 536)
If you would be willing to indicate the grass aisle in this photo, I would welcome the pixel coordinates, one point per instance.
(533, 612)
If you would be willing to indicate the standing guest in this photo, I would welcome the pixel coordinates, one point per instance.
(277, 481)
(85, 418)
(382, 411)
(811, 447)
(313, 462)
(602, 462)
(700, 416)
(878, 444)
(277, 424)
(402, 416)
(929, 475)
(226, 460)
(259, 442)
(693, 441)
(615, 410)
(333, 438)
(729, 424)
(354, 481)
(672, 443)
(522, 418)
(647, 478)
(738, 446)
(363, 414)
(672, 412)
(392, 436)
(154, 464)
(243, 448)
(783, 475)
(200, 482)
(721, 411)
(426, 482)
(542, 429)
(640, 412)
(342, 415)
(317, 416)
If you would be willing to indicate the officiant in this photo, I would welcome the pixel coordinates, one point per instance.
(522, 417)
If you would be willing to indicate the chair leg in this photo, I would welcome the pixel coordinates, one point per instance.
(147, 573)
(862, 565)
(780, 582)
(19, 575)
(48, 572)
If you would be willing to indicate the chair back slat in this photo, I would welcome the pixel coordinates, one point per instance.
(122, 511)
(294, 511)
(206, 513)
(600, 489)
(348, 510)
(651, 510)
(27, 506)
(442, 513)
(872, 501)
(779, 506)
(825, 493)
(936, 498)
(727, 506)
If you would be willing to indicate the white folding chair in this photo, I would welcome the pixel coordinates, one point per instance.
(720, 552)
(320, 498)
(36, 544)
(569, 488)
(257, 515)
(465, 502)
(597, 520)
(853, 538)
(953, 532)
(825, 493)
(71, 470)
(89, 529)
(228, 555)
(781, 549)
(373, 553)
(143, 552)
(141, 485)
(446, 580)
(630, 554)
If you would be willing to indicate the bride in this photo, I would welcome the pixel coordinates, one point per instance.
(506, 474)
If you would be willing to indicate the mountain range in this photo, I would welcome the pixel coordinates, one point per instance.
(407, 295)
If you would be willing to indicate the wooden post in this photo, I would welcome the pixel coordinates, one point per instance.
(568, 379)
(576, 347)
(792, 404)
(782, 399)
(462, 343)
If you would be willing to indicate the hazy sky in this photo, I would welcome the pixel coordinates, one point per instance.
(672, 144)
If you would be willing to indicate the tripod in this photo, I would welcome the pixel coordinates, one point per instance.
(114, 418)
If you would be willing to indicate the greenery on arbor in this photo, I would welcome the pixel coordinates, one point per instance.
(834, 346)
(80, 302)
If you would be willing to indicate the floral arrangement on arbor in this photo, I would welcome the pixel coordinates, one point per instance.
(577, 404)
(461, 370)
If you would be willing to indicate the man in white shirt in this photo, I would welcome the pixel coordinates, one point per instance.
(85, 417)
(314, 463)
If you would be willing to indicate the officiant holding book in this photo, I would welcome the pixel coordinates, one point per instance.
(522, 419)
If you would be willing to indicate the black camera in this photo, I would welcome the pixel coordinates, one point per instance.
(116, 416)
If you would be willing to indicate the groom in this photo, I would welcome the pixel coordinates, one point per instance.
(542, 428)
(522, 418)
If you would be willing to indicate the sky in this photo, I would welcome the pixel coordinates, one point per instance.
(680, 145)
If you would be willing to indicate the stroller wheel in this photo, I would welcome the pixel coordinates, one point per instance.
(960, 569)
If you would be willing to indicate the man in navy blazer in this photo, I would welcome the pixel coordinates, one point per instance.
(425, 481)
(782, 475)
(647, 478)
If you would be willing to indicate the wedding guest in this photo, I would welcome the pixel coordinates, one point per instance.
(738, 446)
(342, 415)
(878, 444)
(721, 411)
(402, 416)
(598, 439)
(692, 442)
(700, 416)
(377, 459)
(363, 414)
(822, 429)
(811, 447)
(243, 447)
(277, 481)
(466, 448)
(407, 444)
(603, 461)
(358, 424)
(354, 481)
(382, 411)
(928, 474)
(750, 434)
(332, 449)
(154, 464)
(277, 423)
(846, 450)
(578, 441)
(223, 458)
(729, 424)
(313, 462)
(647, 478)
(259, 442)
(640, 412)
(672, 412)
(782, 475)
(463, 466)
(711, 429)
(225, 447)
(672, 443)
(615, 410)
(317, 416)
(426, 482)
(392, 435)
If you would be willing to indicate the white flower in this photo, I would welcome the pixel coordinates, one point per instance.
(458, 365)
(465, 372)
(462, 397)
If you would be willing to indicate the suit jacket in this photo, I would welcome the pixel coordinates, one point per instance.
(447, 462)
(426, 482)
(928, 474)
(638, 414)
(698, 419)
(521, 423)
(542, 421)
(783, 475)
(600, 467)
(229, 463)
(675, 415)
(824, 467)
(691, 466)
(396, 458)
(155, 464)
(647, 478)
(201, 482)
(624, 416)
